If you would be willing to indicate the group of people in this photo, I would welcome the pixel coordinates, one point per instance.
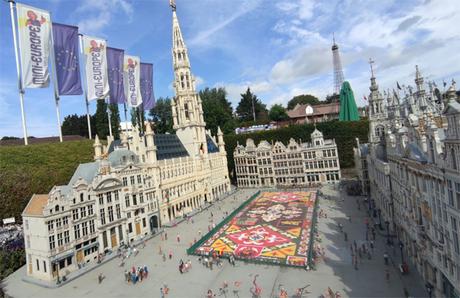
(136, 275)
(184, 266)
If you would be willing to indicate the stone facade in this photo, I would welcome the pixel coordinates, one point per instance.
(134, 186)
(297, 164)
(414, 177)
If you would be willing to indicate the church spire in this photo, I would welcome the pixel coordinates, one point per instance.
(186, 107)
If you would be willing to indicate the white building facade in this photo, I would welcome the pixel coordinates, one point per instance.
(414, 178)
(134, 186)
(278, 165)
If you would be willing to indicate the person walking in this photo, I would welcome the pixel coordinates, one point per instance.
(178, 238)
(170, 254)
(385, 258)
(345, 236)
(162, 294)
(166, 236)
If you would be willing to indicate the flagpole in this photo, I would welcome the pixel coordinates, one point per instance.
(109, 113)
(18, 68)
(56, 91)
(126, 117)
(80, 36)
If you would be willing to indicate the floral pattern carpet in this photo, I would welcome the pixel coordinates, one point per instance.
(275, 227)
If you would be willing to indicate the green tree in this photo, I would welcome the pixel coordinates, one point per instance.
(217, 110)
(115, 120)
(102, 120)
(161, 114)
(77, 125)
(245, 109)
(302, 99)
(278, 113)
(138, 117)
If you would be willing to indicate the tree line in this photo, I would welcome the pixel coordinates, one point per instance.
(217, 111)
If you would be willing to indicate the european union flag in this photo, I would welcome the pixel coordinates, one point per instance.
(65, 39)
(115, 71)
(148, 99)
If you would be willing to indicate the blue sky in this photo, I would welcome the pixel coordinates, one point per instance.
(278, 48)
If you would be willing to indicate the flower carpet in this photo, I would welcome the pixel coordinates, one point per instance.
(274, 227)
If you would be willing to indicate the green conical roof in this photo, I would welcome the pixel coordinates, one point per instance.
(348, 109)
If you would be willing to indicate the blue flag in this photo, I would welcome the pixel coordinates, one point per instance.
(148, 99)
(115, 72)
(65, 39)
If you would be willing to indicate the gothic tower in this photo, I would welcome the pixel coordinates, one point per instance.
(186, 106)
(337, 63)
(377, 111)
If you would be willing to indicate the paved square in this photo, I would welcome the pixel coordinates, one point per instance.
(272, 227)
(335, 270)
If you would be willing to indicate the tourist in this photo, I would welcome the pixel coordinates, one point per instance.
(164, 257)
(162, 294)
(178, 238)
(345, 235)
(385, 258)
(166, 236)
(146, 271)
(127, 276)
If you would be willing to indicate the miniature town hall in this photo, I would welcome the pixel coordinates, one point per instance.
(135, 185)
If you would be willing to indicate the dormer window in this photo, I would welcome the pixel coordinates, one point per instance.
(454, 160)
(56, 208)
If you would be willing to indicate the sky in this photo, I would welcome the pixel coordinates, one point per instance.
(278, 48)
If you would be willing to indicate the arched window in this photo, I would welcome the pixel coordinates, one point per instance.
(81, 197)
(56, 208)
(454, 160)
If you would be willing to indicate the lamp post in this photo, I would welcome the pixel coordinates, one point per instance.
(387, 223)
(401, 246)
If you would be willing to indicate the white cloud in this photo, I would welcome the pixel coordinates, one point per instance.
(198, 81)
(98, 14)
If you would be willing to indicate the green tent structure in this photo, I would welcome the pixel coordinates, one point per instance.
(348, 109)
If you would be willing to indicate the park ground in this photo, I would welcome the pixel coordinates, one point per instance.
(335, 271)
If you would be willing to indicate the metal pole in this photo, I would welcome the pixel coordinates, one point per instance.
(126, 117)
(56, 91)
(82, 51)
(109, 113)
(253, 109)
(18, 68)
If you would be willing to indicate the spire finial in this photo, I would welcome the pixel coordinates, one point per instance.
(333, 37)
(172, 3)
(372, 68)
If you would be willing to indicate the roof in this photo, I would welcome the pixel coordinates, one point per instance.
(364, 148)
(86, 171)
(121, 156)
(322, 109)
(169, 146)
(36, 205)
(415, 153)
(212, 148)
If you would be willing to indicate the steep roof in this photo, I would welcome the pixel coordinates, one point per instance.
(86, 171)
(322, 109)
(36, 205)
(212, 148)
(169, 146)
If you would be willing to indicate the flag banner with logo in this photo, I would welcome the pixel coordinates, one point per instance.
(97, 81)
(34, 27)
(115, 71)
(131, 78)
(148, 99)
(65, 42)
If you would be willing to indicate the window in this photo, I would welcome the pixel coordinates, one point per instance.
(81, 197)
(125, 181)
(101, 198)
(51, 242)
(50, 225)
(44, 266)
(38, 265)
(134, 200)
(75, 214)
(65, 220)
(144, 224)
(186, 112)
(131, 180)
(62, 264)
(110, 211)
(454, 161)
(118, 211)
(83, 212)
(26, 223)
(90, 209)
(59, 239)
(127, 201)
(109, 197)
(28, 241)
(91, 226)
(69, 261)
(141, 198)
(139, 179)
(84, 227)
(58, 223)
(102, 214)
(117, 196)
(77, 231)
(128, 215)
(130, 227)
(66, 237)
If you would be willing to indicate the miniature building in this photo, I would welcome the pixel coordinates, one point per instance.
(292, 165)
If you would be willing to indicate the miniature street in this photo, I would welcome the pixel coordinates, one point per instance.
(335, 271)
